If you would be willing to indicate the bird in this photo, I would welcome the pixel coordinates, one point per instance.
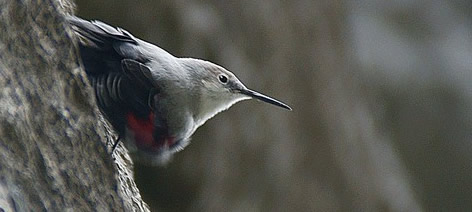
(153, 100)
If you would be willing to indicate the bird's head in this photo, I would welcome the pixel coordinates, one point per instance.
(217, 89)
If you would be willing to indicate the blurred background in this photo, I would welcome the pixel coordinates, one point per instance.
(381, 92)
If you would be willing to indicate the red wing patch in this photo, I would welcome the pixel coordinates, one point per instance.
(142, 129)
(143, 133)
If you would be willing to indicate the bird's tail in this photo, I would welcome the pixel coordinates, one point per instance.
(98, 34)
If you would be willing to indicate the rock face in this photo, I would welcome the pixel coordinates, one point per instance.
(52, 137)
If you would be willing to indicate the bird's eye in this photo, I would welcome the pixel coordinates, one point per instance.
(223, 79)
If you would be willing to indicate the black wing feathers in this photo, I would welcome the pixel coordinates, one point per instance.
(137, 71)
(102, 46)
(115, 68)
(100, 32)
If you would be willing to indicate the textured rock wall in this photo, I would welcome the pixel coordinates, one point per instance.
(52, 140)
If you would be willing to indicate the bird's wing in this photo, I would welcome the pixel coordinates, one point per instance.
(99, 33)
(139, 72)
(116, 69)
(103, 47)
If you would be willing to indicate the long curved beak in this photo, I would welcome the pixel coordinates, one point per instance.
(264, 98)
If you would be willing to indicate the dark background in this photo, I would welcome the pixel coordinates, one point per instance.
(381, 95)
